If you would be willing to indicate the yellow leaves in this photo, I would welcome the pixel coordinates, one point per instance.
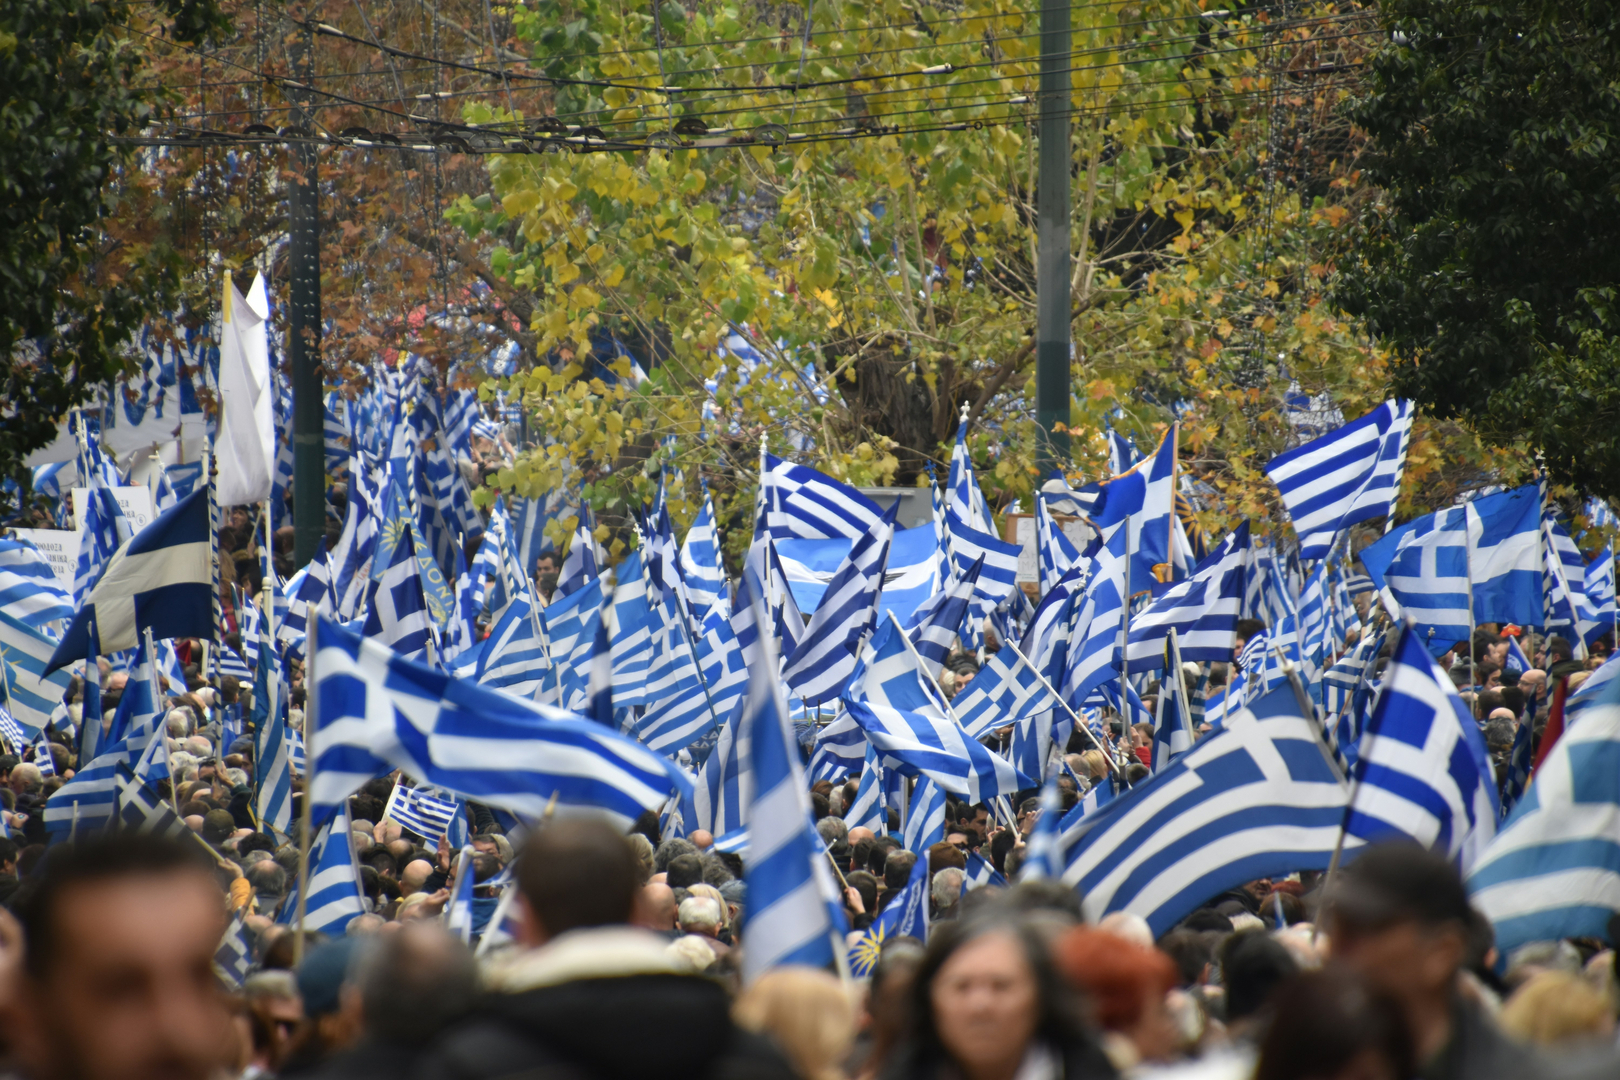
(562, 190)
(1184, 218)
(585, 298)
(565, 272)
(594, 253)
(1100, 389)
(1270, 288)
(520, 202)
(613, 275)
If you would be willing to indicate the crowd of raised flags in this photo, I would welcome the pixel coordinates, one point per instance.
(1302, 707)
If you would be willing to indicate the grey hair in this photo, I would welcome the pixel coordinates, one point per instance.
(670, 849)
(832, 830)
(178, 722)
(946, 888)
(700, 912)
(32, 779)
(236, 777)
(715, 870)
(270, 984)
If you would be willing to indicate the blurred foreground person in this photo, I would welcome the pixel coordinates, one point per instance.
(592, 996)
(1331, 1025)
(1127, 984)
(989, 1005)
(806, 1012)
(117, 981)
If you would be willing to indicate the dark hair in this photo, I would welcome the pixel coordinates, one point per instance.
(578, 873)
(1192, 950)
(1325, 1019)
(1058, 1023)
(897, 868)
(415, 982)
(684, 871)
(1001, 843)
(1043, 894)
(87, 863)
(1253, 964)
(1206, 918)
(8, 849)
(866, 885)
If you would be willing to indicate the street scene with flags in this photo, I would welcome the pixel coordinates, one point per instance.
(943, 541)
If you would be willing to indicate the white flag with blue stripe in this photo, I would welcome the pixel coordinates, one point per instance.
(513, 657)
(1423, 771)
(397, 612)
(1553, 871)
(1504, 556)
(937, 624)
(1347, 476)
(700, 561)
(820, 668)
(570, 624)
(1202, 610)
(32, 695)
(335, 893)
(794, 913)
(925, 819)
(1596, 610)
(29, 590)
(1421, 572)
(802, 503)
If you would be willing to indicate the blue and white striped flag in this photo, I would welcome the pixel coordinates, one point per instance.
(29, 591)
(925, 819)
(840, 749)
(458, 914)
(1203, 610)
(375, 711)
(819, 669)
(906, 720)
(937, 622)
(1563, 578)
(397, 613)
(1006, 690)
(1423, 771)
(570, 624)
(794, 914)
(630, 641)
(1504, 556)
(1515, 659)
(963, 496)
(1591, 691)
(1517, 781)
(868, 811)
(1595, 608)
(980, 872)
(13, 735)
(424, 811)
(1055, 553)
(272, 748)
(906, 915)
(1553, 871)
(677, 721)
(1421, 572)
(233, 959)
(578, 567)
(1094, 641)
(103, 530)
(1343, 685)
(700, 561)
(1347, 476)
(1042, 858)
(1260, 800)
(802, 503)
(1172, 722)
(335, 893)
(997, 579)
(26, 654)
(513, 657)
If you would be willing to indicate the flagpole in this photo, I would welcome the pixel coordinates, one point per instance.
(162, 729)
(1468, 571)
(1079, 722)
(306, 812)
(1183, 707)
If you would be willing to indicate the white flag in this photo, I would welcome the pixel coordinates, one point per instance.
(246, 446)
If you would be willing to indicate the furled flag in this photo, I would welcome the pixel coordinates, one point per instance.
(794, 914)
(1553, 871)
(246, 444)
(904, 916)
(1423, 771)
(162, 579)
(925, 819)
(1042, 859)
(1347, 476)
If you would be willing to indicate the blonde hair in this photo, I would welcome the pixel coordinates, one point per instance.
(1554, 1008)
(807, 1013)
(713, 894)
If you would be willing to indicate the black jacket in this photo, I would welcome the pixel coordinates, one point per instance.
(600, 1005)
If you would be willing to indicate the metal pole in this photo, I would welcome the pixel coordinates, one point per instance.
(1052, 259)
(304, 326)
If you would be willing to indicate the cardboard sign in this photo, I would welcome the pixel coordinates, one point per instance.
(136, 503)
(1020, 530)
(60, 548)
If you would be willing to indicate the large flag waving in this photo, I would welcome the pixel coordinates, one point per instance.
(1347, 476)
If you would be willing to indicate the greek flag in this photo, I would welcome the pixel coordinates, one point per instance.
(630, 642)
(272, 749)
(820, 668)
(980, 872)
(1172, 722)
(335, 892)
(1504, 556)
(1345, 686)
(357, 545)
(1563, 579)
(233, 960)
(868, 811)
(1094, 641)
(513, 657)
(1144, 498)
(1591, 690)
(1516, 660)
(726, 784)
(1082, 816)
(1121, 452)
(925, 819)
(840, 747)
(579, 565)
(1042, 859)
(998, 576)
(1262, 799)
(162, 580)
(1554, 869)
(964, 498)
(1202, 610)
(1424, 771)
(1517, 780)
(374, 711)
(29, 591)
(458, 917)
(802, 503)
(1055, 551)
(1595, 606)
(140, 703)
(892, 701)
(91, 797)
(472, 589)
(1421, 571)
(904, 916)
(765, 585)
(141, 809)
(938, 622)
(104, 529)
(422, 811)
(12, 733)
(1006, 690)
(675, 722)
(700, 561)
(570, 624)
(34, 689)
(1347, 476)
(397, 614)
(310, 587)
(794, 913)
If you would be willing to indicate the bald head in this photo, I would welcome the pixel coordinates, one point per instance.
(655, 907)
(859, 833)
(702, 839)
(415, 875)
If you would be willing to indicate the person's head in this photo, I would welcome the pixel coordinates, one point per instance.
(700, 915)
(655, 907)
(889, 996)
(1126, 983)
(985, 990)
(1558, 651)
(702, 839)
(833, 831)
(8, 855)
(415, 876)
(1253, 965)
(897, 868)
(806, 1013)
(119, 935)
(414, 982)
(26, 779)
(946, 890)
(576, 874)
(546, 564)
(493, 844)
(1399, 918)
(1333, 1025)
(684, 871)
(1558, 1010)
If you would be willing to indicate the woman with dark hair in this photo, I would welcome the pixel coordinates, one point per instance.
(1330, 1025)
(988, 1005)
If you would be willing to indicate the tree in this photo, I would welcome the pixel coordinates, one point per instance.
(1490, 260)
(74, 78)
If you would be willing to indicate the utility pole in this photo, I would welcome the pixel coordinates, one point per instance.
(304, 318)
(1052, 259)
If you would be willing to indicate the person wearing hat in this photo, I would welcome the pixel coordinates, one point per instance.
(1399, 918)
